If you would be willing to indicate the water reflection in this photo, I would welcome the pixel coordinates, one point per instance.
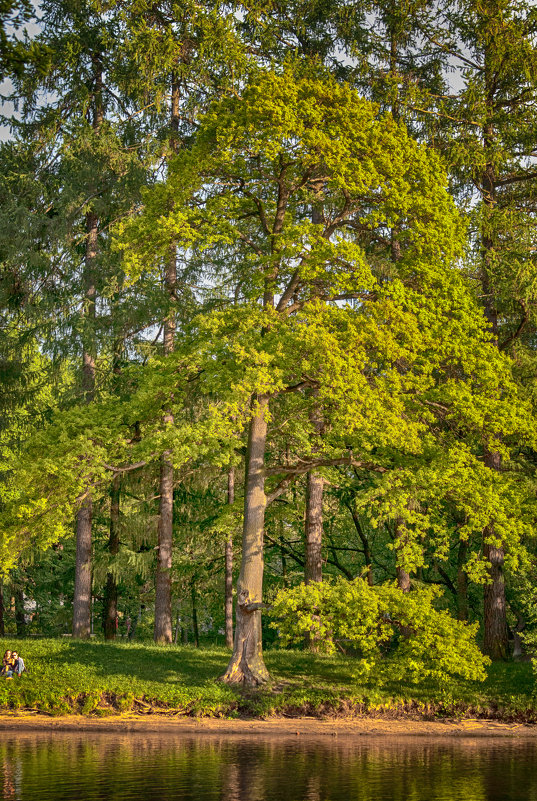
(136, 767)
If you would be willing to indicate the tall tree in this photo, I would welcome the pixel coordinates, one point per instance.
(261, 162)
(492, 122)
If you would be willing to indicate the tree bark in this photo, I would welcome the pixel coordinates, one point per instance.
(518, 642)
(364, 540)
(246, 665)
(82, 593)
(403, 579)
(462, 583)
(314, 540)
(2, 610)
(403, 576)
(177, 624)
(20, 619)
(314, 527)
(495, 641)
(229, 565)
(496, 638)
(110, 593)
(82, 590)
(163, 594)
(314, 489)
(195, 627)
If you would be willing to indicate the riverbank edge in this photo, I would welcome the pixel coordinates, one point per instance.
(274, 727)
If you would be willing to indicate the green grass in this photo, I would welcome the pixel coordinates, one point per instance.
(96, 678)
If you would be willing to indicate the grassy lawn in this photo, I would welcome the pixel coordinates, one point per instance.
(97, 678)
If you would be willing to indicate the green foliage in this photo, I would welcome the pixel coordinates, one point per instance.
(321, 261)
(397, 634)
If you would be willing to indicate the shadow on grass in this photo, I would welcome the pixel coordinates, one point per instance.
(171, 664)
(309, 669)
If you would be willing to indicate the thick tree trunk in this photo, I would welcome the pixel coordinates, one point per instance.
(314, 527)
(82, 594)
(403, 580)
(247, 665)
(110, 593)
(229, 565)
(163, 587)
(495, 641)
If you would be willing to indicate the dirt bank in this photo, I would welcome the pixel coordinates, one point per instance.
(297, 727)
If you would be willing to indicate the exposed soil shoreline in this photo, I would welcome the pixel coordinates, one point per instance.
(287, 727)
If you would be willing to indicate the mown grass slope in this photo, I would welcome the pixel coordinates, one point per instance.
(98, 678)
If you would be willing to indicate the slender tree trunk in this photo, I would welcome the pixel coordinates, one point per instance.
(194, 598)
(163, 596)
(2, 610)
(314, 490)
(247, 665)
(314, 541)
(462, 583)
(82, 594)
(283, 558)
(364, 540)
(403, 576)
(82, 590)
(229, 564)
(110, 593)
(177, 624)
(518, 642)
(495, 640)
(20, 619)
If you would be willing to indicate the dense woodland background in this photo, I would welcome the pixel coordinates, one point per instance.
(267, 268)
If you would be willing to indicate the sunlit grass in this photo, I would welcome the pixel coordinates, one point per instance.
(68, 676)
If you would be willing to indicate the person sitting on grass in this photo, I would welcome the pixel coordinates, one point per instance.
(18, 663)
(8, 665)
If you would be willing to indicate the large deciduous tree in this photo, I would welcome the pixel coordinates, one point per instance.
(324, 306)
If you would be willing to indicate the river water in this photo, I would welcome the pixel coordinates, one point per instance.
(140, 767)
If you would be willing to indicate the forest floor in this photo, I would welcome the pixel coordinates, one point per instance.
(99, 680)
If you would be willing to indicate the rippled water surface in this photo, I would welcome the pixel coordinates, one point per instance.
(128, 767)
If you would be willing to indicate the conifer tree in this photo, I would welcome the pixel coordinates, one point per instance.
(491, 124)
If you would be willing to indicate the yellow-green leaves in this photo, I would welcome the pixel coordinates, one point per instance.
(398, 635)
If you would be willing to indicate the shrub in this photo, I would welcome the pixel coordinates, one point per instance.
(397, 635)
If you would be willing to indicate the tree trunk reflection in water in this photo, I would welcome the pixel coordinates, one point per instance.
(56, 766)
